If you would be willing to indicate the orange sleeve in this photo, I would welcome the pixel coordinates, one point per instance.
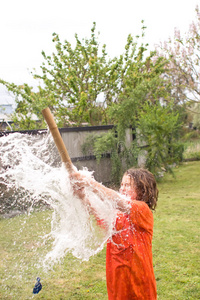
(142, 216)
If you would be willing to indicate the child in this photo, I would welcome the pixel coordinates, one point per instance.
(129, 263)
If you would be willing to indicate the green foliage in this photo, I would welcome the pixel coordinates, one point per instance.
(196, 116)
(73, 80)
(190, 135)
(122, 157)
(103, 144)
(191, 147)
(138, 106)
(158, 130)
(77, 76)
(81, 83)
(143, 82)
(28, 114)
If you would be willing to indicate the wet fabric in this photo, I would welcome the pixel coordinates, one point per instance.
(129, 263)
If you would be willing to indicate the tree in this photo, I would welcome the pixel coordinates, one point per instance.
(159, 129)
(183, 53)
(144, 104)
(72, 80)
(76, 77)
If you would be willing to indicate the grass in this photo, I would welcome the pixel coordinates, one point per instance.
(176, 247)
(175, 250)
(191, 142)
(192, 150)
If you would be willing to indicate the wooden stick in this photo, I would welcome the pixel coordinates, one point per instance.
(57, 139)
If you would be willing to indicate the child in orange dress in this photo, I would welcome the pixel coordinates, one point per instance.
(129, 262)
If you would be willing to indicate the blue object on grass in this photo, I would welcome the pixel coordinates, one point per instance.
(37, 286)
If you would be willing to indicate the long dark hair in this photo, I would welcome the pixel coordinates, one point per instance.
(145, 185)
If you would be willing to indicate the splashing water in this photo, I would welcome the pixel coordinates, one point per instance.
(30, 174)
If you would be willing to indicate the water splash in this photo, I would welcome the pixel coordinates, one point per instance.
(31, 176)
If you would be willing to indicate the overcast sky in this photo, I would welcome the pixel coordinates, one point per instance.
(26, 28)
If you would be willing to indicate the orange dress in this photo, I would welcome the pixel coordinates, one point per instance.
(129, 262)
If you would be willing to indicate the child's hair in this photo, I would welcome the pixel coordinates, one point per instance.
(145, 185)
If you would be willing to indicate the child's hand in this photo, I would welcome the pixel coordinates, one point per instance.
(77, 181)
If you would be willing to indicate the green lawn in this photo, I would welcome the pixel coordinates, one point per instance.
(176, 246)
(176, 250)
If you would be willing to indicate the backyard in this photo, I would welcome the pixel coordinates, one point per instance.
(176, 249)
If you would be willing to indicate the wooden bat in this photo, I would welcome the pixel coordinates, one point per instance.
(57, 139)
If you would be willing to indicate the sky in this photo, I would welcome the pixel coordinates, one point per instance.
(26, 29)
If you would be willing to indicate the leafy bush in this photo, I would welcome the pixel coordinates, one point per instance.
(159, 129)
(157, 141)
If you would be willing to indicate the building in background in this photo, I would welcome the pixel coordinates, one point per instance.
(5, 120)
(6, 109)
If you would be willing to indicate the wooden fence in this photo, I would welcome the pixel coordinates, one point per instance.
(74, 138)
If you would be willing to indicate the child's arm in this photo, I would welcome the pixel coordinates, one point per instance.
(79, 182)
